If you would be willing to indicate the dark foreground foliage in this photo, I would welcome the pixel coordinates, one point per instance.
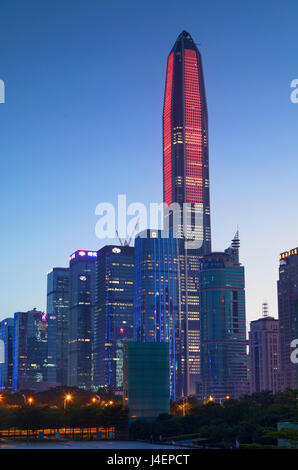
(252, 419)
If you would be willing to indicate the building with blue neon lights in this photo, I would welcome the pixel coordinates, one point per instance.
(156, 297)
(82, 289)
(113, 313)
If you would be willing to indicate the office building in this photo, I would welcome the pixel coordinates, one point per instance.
(113, 313)
(156, 297)
(81, 304)
(58, 313)
(6, 364)
(223, 330)
(287, 287)
(264, 355)
(30, 349)
(186, 188)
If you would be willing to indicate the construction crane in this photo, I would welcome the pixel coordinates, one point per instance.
(127, 243)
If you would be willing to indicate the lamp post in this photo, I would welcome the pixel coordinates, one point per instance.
(66, 399)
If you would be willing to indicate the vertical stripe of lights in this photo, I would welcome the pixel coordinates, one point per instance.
(193, 129)
(167, 133)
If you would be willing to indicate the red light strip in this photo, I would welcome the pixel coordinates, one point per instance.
(167, 133)
(193, 129)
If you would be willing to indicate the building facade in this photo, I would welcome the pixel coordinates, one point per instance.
(30, 349)
(264, 355)
(156, 297)
(58, 319)
(223, 328)
(186, 188)
(81, 305)
(6, 366)
(287, 287)
(146, 380)
(113, 313)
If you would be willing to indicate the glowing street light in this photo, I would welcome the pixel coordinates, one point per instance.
(66, 399)
(30, 400)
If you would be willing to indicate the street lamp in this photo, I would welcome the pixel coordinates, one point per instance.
(30, 400)
(66, 399)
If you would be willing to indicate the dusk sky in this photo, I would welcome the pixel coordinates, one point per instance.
(81, 123)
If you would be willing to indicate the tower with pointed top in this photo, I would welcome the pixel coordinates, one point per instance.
(186, 183)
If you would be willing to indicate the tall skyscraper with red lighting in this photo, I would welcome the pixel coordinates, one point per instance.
(186, 182)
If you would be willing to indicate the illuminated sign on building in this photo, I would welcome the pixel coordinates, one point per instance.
(116, 250)
(91, 254)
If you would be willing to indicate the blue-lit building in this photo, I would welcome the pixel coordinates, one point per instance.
(6, 336)
(58, 319)
(223, 328)
(156, 297)
(30, 349)
(81, 304)
(113, 313)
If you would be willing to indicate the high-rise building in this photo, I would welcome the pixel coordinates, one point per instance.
(58, 313)
(6, 336)
(30, 349)
(223, 329)
(156, 297)
(186, 183)
(287, 287)
(263, 355)
(113, 313)
(81, 304)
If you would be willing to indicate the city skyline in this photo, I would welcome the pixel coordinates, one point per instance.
(60, 230)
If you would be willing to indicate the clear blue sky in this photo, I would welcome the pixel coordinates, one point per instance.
(82, 123)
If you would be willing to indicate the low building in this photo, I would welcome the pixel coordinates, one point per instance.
(146, 379)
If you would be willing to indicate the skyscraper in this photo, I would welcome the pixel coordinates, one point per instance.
(30, 349)
(6, 336)
(287, 287)
(58, 318)
(263, 355)
(113, 313)
(223, 329)
(186, 182)
(82, 293)
(156, 297)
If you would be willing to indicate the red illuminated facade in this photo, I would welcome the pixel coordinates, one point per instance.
(185, 132)
(186, 180)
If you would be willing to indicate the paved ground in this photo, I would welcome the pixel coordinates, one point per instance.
(83, 445)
